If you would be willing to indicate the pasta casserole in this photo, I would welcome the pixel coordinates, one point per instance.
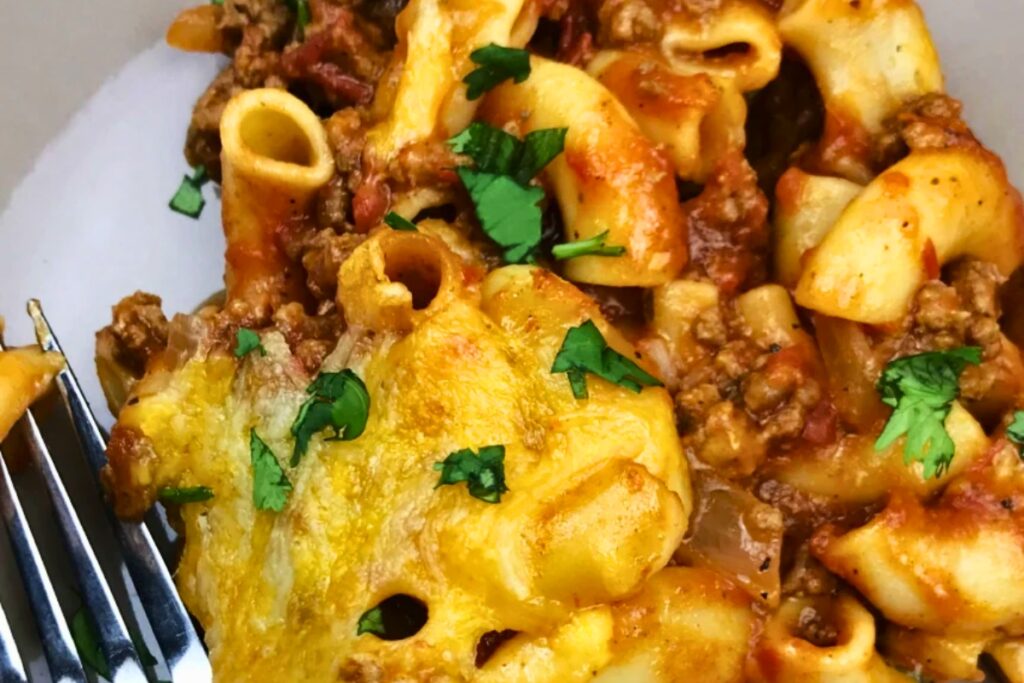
(587, 340)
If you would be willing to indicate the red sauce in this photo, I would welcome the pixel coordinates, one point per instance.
(333, 32)
(845, 144)
(820, 427)
(728, 228)
(575, 41)
(789, 190)
(370, 203)
(895, 183)
(930, 260)
(644, 83)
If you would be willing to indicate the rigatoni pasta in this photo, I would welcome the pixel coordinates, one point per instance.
(25, 374)
(275, 159)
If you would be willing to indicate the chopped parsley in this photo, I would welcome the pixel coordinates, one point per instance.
(495, 151)
(270, 485)
(371, 621)
(539, 149)
(338, 401)
(507, 211)
(1015, 432)
(246, 341)
(921, 390)
(585, 350)
(397, 222)
(595, 246)
(506, 204)
(496, 64)
(87, 642)
(484, 473)
(186, 494)
(216, 2)
(188, 200)
(302, 16)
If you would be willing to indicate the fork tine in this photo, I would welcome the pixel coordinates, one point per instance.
(113, 634)
(182, 649)
(55, 637)
(11, 668)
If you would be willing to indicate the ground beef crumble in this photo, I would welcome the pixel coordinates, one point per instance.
(965, 312)
(310, 337)
(929, 122)
(322, 256)
(337, 63)
(728, 228)
(744, 400)
(138, 331)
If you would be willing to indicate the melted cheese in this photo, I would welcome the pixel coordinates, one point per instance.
(598, 497)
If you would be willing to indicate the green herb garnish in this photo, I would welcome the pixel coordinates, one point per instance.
(585, 350)
(302, 16)
(484, 474)
(188, 200)
(87, 642)
(270, 485)
(495, 151)
(371, 621)
(508, 212)
(338, 401)
(186, 494)
(1015, 432)
(496, 64)
(594, 246)
(921, 390)
(247, 340)
(499, 184)
(216, 2)
(397, 222)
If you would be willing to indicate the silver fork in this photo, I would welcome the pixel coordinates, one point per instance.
(183, 652)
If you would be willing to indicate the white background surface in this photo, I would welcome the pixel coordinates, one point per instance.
(87, 219)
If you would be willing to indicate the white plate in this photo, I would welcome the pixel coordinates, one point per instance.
(89, 223)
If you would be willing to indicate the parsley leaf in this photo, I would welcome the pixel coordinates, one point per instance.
(248, 340)
(371, 621)
(186, 494)
(497, 64)
(302, 16)
(270, 485)
(216, 2)
(495, 151)
(921, 389)
(87, 642)
(492, 149)
(539, 149)
(188, 200)
(594, 246)
(499, 184)
(397, 222)
(585, 350)
(1015, 432)
(338, 401)
(484, 474)
(507, 211)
